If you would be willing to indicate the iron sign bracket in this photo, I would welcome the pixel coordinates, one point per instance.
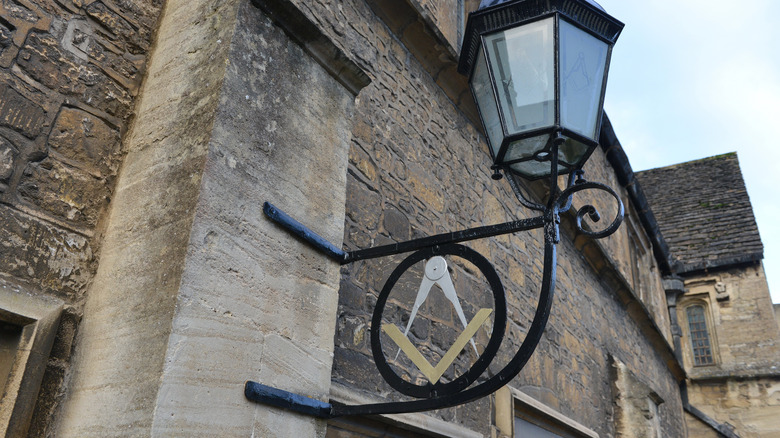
(447, 243)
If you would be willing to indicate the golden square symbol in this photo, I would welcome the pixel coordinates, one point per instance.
(433, 374)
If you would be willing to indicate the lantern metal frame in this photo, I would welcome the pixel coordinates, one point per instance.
(581, 14)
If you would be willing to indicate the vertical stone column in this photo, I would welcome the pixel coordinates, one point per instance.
(123, 337)
(255, 303)
(197, 291)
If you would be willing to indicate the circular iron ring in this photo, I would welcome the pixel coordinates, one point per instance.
(488, 354)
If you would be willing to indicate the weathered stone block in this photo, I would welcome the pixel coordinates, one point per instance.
(121, 32)
(396, 224)
(86, 139)
(66, 333)
(45, 406)
(354, 331)
(78, 37)
(125, 71)
(41, 254)
(354, 367)
(17, 12)
(43, 59)
(443, 336)
(7, 158)
(352, 297)
(18, 20)
(82, 40)
(442, 17)
(367, 204)
(19, 113)
(67, 193)
(140, 13)
(6, 35)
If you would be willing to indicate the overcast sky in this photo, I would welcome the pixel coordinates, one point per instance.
(695, 78)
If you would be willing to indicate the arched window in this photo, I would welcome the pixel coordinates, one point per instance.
(700, 338)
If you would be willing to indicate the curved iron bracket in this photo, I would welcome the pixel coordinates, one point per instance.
(462, 389)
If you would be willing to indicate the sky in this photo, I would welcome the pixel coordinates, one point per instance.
(695, 78)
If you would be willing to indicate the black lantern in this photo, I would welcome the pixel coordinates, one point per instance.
(538, 72)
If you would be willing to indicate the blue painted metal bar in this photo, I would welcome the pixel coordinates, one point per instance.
(258, 392)
(300, 230)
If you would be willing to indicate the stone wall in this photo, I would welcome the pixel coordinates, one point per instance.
(184, 227)
(742, 386)
(69, 75)
(699, 429)
(254, 302)
(418, 167)
(629, 251)
(127, 318)
(426, 29)
(744, 331)
(750, 405)
(197, 291)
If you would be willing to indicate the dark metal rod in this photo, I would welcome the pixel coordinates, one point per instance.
(327, 248)
(556, 141)
(300, 230)
(445, 238)
(280, 398)
(305, 405)
(503, 377)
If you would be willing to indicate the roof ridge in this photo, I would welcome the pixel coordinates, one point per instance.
(699, 160)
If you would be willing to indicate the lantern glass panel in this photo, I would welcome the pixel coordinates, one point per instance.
(583, 59)
(572, 151)
(526, 147)
(483, 94)
(534, 169)
(523, 68)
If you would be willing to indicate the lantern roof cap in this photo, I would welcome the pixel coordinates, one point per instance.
(487, 3)
(495, 15)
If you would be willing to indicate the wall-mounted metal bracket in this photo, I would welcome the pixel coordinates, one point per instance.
(462, 389)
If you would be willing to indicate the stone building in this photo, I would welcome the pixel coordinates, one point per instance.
(729, 337)
(141, 284)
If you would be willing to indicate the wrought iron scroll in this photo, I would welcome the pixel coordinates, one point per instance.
(462, 389)
(589, 210)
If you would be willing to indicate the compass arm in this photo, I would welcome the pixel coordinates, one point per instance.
(449, 291)
(422, 294)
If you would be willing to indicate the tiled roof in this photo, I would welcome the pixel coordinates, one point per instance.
(704, 212)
